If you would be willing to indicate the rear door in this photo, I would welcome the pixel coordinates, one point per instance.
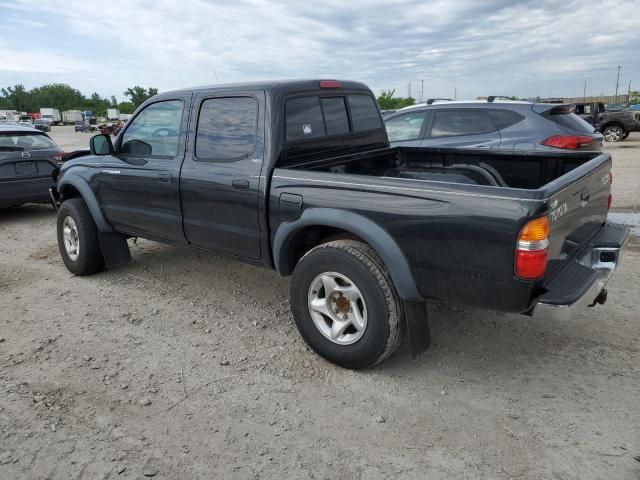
(221, 173)
(470, 128)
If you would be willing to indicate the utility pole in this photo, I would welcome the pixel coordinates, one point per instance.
(584, 92)
(409, 90)
(455, 93)
(422, 90)
(617, 82)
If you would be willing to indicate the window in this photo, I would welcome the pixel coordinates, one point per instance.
(405, 127)
(304, 118)
(504, 118)
(154, 132)
(364, 113)
(227, 129)
(448, 123)
(335, 115)
(20, 141)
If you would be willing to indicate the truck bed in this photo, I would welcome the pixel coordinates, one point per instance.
(468, 206)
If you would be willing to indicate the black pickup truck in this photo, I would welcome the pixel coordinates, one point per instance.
(299, 177)
(615, 126)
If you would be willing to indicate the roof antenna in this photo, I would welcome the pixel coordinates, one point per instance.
(216, 74)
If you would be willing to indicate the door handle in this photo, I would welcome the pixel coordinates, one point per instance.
(164, 178)
(240, 184)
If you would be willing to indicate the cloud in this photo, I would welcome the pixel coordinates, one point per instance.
(512, 47)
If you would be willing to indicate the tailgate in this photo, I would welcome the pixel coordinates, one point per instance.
(578, 211)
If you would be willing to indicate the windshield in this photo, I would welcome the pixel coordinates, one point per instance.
(19, 141)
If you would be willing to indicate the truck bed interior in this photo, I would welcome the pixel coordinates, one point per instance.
(526, 170)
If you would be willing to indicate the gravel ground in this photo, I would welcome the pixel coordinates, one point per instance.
(183, 365)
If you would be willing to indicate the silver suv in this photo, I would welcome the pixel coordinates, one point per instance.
(504, 125)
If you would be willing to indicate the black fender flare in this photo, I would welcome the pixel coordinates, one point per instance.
(366, 229)
(88, 196)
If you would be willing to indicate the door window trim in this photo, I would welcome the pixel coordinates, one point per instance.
(180, 132)
(201, 101)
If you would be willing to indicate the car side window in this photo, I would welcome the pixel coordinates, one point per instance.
(449, 123)
(227, 129)
(155, 131)
(405, 127)
(504, 118)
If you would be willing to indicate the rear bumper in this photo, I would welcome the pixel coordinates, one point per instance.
(18, 192)
(582, 283)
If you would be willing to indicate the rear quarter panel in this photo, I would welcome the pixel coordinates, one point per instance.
(459, 241)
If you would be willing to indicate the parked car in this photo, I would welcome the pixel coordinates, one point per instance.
(42, 125)
(27, 160)
(80, 126)
(299, 177)
(614, 125)
(493, 124)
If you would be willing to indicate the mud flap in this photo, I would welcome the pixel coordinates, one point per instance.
(115, 249)
(419, 336)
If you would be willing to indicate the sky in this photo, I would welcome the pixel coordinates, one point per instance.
(466, 48)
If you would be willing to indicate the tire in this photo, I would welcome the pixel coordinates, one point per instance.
(626, 134)
(613, 133)
(87, 257)
(347, 264)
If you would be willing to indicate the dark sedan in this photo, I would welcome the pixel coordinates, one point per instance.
(27, 158)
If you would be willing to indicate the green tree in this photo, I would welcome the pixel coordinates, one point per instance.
(125, 107)
(17, 98)
(387, 101)
(139, 95)
(114, 102)
(634, 97)
(57, 95)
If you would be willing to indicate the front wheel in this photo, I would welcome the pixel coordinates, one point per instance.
(613, 133)
(344, 304)
(78, 238)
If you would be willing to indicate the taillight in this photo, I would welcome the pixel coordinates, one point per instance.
(568, 141)
(330, 84)
(57, 157)
(532, 250)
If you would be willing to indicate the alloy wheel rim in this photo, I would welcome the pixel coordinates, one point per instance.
(337, 308)
(612, 134)
(71, 238)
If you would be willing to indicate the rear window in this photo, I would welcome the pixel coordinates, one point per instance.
(364, 113)
(304, 118)
(21, 141)
(450, 123)
(504, 118)
(335, 115)
(568, 121)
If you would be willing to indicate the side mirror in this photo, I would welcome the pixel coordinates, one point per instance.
(101, 145)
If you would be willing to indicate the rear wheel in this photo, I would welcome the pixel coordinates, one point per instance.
(613, 133)
(626, 134)
(78, 238)
(344, 304)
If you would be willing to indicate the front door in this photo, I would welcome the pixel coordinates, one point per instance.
(221, 174)
(139, 186)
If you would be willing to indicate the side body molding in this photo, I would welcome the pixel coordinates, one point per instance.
(88, 196)
(356, 224)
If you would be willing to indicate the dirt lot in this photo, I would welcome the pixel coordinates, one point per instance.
(183, 365)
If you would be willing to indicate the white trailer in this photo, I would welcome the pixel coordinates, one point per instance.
(124, 116)
(113, 114)
(70, 117)
(52, 115)
(10, 115)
